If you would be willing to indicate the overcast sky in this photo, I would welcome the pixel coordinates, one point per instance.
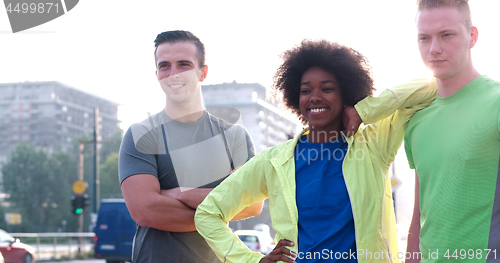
(106, 47)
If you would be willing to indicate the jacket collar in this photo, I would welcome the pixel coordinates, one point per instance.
(289, 147)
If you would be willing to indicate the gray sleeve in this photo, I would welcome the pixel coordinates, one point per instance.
(250, 146)
(132, 161)
(242, 148)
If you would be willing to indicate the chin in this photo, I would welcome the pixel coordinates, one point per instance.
(438, 73)
(317, 126)
(177, 99)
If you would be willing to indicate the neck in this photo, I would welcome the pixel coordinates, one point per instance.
(322, 136)
(449, 86)
(189, 111)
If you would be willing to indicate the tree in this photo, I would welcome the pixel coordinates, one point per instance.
(38, 184)
(110, 145)
(67, 169)
(110, 185)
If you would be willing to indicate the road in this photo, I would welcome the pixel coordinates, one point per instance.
(49, 252)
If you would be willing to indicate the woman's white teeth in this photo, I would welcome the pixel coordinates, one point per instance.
(176, 86)
(317, 110)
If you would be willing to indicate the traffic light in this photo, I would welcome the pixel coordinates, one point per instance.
(86, 200)
(78, 203)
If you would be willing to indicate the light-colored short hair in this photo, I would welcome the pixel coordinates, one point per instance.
(461, 5)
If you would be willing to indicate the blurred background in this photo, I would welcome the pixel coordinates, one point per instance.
(99, 56)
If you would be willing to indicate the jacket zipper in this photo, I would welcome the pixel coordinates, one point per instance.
(388, 249)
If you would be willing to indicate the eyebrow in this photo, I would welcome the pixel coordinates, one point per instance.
(180, 61)
(440, 32)
(161, 62)
(447, 31)
(185, 61)
(322, 82)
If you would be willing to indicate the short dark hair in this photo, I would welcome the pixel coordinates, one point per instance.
(349, 66)
(461, 5)
(180, 36)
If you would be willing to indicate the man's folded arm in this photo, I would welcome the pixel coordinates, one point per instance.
(192, 197)
(149, 208)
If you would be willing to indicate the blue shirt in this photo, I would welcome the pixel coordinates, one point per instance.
(326, 223)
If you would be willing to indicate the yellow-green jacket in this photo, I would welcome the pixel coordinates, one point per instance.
(271, 174)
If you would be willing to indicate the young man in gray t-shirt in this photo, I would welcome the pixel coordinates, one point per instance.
(172, 160)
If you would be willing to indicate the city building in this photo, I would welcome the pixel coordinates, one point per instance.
(245, 103)
(50, 114)
(268, 126)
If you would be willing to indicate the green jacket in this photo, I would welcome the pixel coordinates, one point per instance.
(271, 174)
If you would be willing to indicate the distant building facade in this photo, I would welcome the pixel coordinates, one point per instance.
(50, 114)
(267, 125)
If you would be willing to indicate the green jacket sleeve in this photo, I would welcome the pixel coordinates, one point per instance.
(387, 115)
(241, 189)
(414, 93)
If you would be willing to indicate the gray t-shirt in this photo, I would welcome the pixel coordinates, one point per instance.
(183, 154)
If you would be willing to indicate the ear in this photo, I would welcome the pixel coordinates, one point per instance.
(204, 72)
(474, 34)
(156, 72)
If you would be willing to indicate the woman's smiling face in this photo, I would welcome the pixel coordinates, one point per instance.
(320, 100)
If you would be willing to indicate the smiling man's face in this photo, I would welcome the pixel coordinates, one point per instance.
(178, 71)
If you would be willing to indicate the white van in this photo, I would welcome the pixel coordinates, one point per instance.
(259, 241)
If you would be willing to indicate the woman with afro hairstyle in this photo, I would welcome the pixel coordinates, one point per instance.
(329, 194)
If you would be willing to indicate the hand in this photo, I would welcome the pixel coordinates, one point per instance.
(279, 252)
(351, 121)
